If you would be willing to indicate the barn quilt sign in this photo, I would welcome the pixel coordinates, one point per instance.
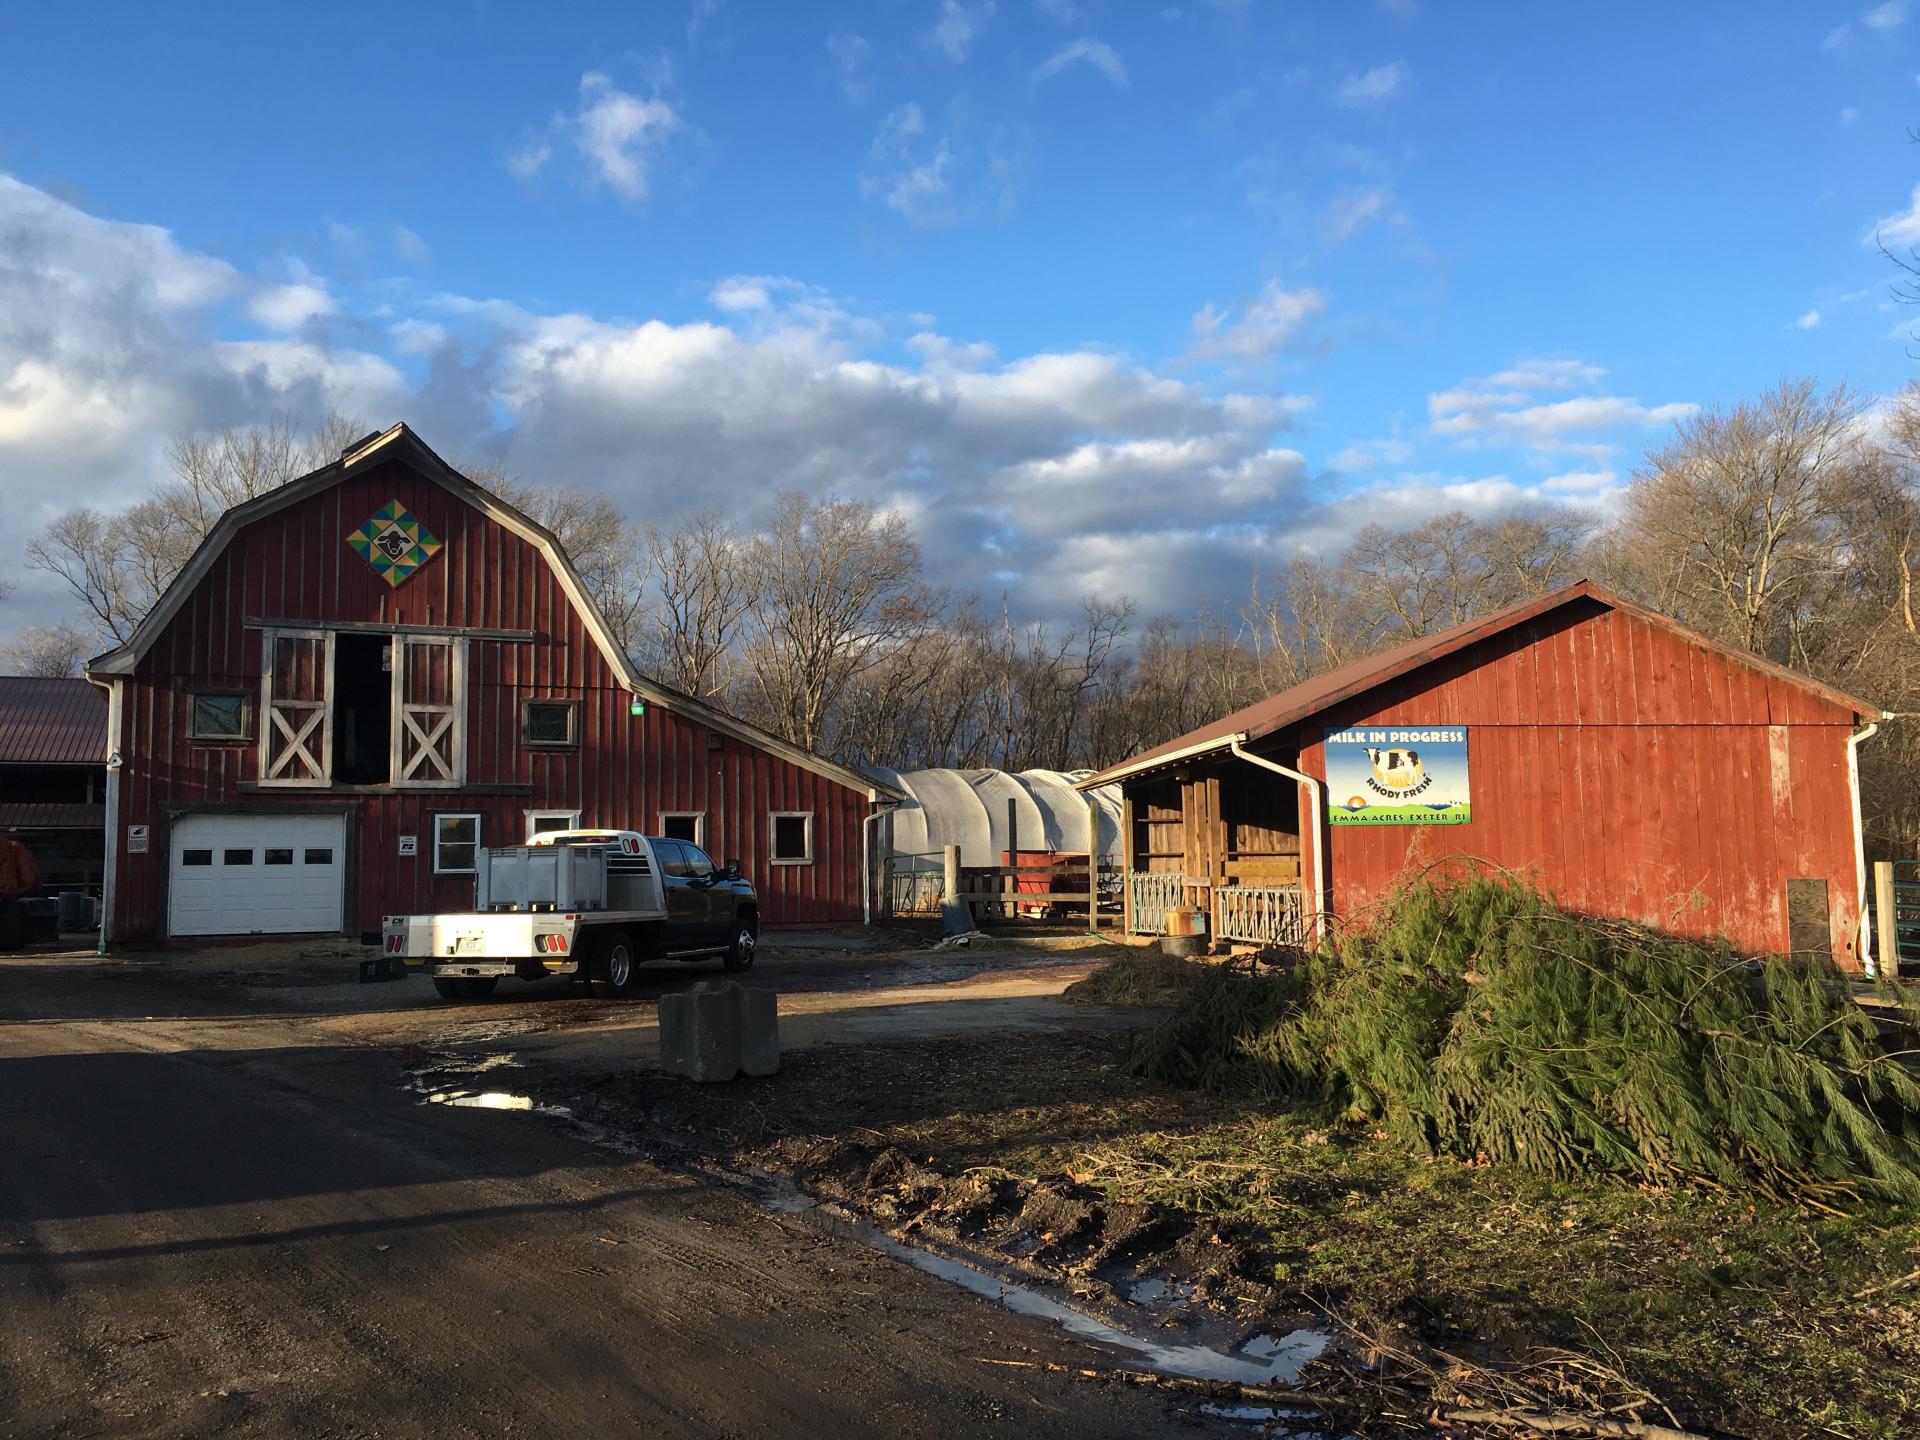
(394, 543)
(1398, 775)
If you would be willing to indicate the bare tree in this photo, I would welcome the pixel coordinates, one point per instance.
(839, 584)
(1738, 524)
(702, 585)
(116, 566)
(45, 650)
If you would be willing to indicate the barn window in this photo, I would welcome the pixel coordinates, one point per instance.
(217, 717)
(793, 837)
(550, 724)
(688, 825)
(456, 843)
(542, 822)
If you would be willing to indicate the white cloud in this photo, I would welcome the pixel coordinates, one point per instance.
(934, 179)
(1350, 212)
(1581, 482)
(1265, 327)
(1096, 53)
(1379, 84)
(1898, 229)
(1809, 321)
(1506, 408)
(851, 55)
(288, 307)
(1364, 455)
(1878, 18)
(409, 246)
(617, 135)
(959, 24)
(1849, 114)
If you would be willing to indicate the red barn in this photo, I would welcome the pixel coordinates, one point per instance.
(1630, 766)
(365, 675)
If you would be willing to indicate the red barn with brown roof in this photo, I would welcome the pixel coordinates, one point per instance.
(365, 674)
(1630, 766)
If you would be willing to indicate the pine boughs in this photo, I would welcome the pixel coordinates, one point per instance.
(1479, 1020)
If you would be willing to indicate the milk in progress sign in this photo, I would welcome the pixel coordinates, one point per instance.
(1398, 775)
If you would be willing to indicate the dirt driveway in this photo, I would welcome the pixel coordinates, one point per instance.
(223, 1212)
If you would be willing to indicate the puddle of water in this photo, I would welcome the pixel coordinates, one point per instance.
(466, 1064)
(491, 1100)
(1264, 1360)
(1155, 1291)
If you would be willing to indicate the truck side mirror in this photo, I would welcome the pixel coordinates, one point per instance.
(733, 869)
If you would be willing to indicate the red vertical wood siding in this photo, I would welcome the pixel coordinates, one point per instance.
(295, 566)
(1630, 772)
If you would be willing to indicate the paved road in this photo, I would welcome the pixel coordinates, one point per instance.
(210, 1225)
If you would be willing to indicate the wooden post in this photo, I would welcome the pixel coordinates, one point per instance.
(1093, 865)
(1886, 915)
(1013, 858)
(952, 858)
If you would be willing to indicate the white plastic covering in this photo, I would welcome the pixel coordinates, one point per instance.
(968, 808)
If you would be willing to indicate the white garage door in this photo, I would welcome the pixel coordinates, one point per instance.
(257, 874)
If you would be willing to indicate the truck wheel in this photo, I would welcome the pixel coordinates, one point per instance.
(746, 939)
(448, 989)
(615, 968)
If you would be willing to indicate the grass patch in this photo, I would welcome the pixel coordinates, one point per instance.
(1750, 1317)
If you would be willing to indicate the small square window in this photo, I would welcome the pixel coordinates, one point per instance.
(542, 822)
(793, 838)
(456, 844)
(196, 857)
(319, 857)
(236, 857)
(684, 825)
(279, 857)
(549, 724)
(218, 717)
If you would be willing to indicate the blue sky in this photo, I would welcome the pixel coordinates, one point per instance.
(1103, 296)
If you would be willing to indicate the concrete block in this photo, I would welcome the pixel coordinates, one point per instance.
(716, 1030)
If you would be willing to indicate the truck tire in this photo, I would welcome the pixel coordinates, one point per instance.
(746, 939)
(616, 967)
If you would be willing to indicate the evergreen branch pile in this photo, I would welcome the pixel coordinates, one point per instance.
(1480, 1020)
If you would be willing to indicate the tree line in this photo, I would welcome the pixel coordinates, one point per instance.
(1786, 524)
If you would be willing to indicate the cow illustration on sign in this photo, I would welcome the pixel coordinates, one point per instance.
(1396, 770)
(1398, 775)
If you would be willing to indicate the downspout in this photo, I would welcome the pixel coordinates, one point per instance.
(866, 858)
(110, 867)
(1869, 961)
(1319, 853)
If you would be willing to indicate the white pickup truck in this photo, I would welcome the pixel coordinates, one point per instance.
(592, 903)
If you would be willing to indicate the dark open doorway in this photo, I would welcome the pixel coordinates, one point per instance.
(362, 709)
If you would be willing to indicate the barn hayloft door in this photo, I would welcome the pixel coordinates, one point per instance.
(296, 731)
(429, 684)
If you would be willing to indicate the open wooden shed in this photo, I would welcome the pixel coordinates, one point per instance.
(1628, 765)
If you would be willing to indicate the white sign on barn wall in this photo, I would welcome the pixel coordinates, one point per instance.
(136, 839)
(409, 844)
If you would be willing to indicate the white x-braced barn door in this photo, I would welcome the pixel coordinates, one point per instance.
(429, 701)
(296, 705)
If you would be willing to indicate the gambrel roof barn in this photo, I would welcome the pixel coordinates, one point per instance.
(362, 676)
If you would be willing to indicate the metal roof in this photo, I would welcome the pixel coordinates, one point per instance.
(1322, 692)
(52, 721)
(50, 815)
(968, 808)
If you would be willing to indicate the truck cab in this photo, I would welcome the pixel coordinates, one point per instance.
(589, 902)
